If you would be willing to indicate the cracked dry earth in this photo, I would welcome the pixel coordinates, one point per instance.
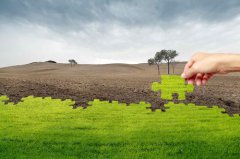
(122, 82)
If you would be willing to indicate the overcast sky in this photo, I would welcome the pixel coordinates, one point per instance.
(115, 31)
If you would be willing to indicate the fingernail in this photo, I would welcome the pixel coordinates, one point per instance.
(183, 75)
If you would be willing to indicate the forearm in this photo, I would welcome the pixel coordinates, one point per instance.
(229, 63)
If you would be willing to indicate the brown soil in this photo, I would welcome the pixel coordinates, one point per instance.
(122, 82)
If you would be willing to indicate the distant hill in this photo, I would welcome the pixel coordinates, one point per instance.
(50, 68)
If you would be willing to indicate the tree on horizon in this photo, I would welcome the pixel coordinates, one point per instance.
(169, 56)
(72, 62)
(166, 55)
(157, 60)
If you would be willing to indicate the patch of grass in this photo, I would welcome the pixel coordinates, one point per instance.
(50, 128)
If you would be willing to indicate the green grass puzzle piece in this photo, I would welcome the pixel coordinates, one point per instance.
(172, 84)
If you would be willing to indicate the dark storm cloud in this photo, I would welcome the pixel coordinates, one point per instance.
(71, 15)
(114, 31)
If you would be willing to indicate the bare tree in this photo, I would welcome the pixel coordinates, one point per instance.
(72, 62)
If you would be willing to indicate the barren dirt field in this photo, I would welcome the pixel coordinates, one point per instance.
(123, 82)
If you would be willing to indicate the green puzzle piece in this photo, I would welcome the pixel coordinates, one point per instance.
(172, 84)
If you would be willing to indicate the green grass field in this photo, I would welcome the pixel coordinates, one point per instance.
(47, 128)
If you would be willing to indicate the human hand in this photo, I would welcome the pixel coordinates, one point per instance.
(201, 67)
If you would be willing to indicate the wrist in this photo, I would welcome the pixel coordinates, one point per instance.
(228, 63)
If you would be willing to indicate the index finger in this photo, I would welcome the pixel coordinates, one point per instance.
(188, 65)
